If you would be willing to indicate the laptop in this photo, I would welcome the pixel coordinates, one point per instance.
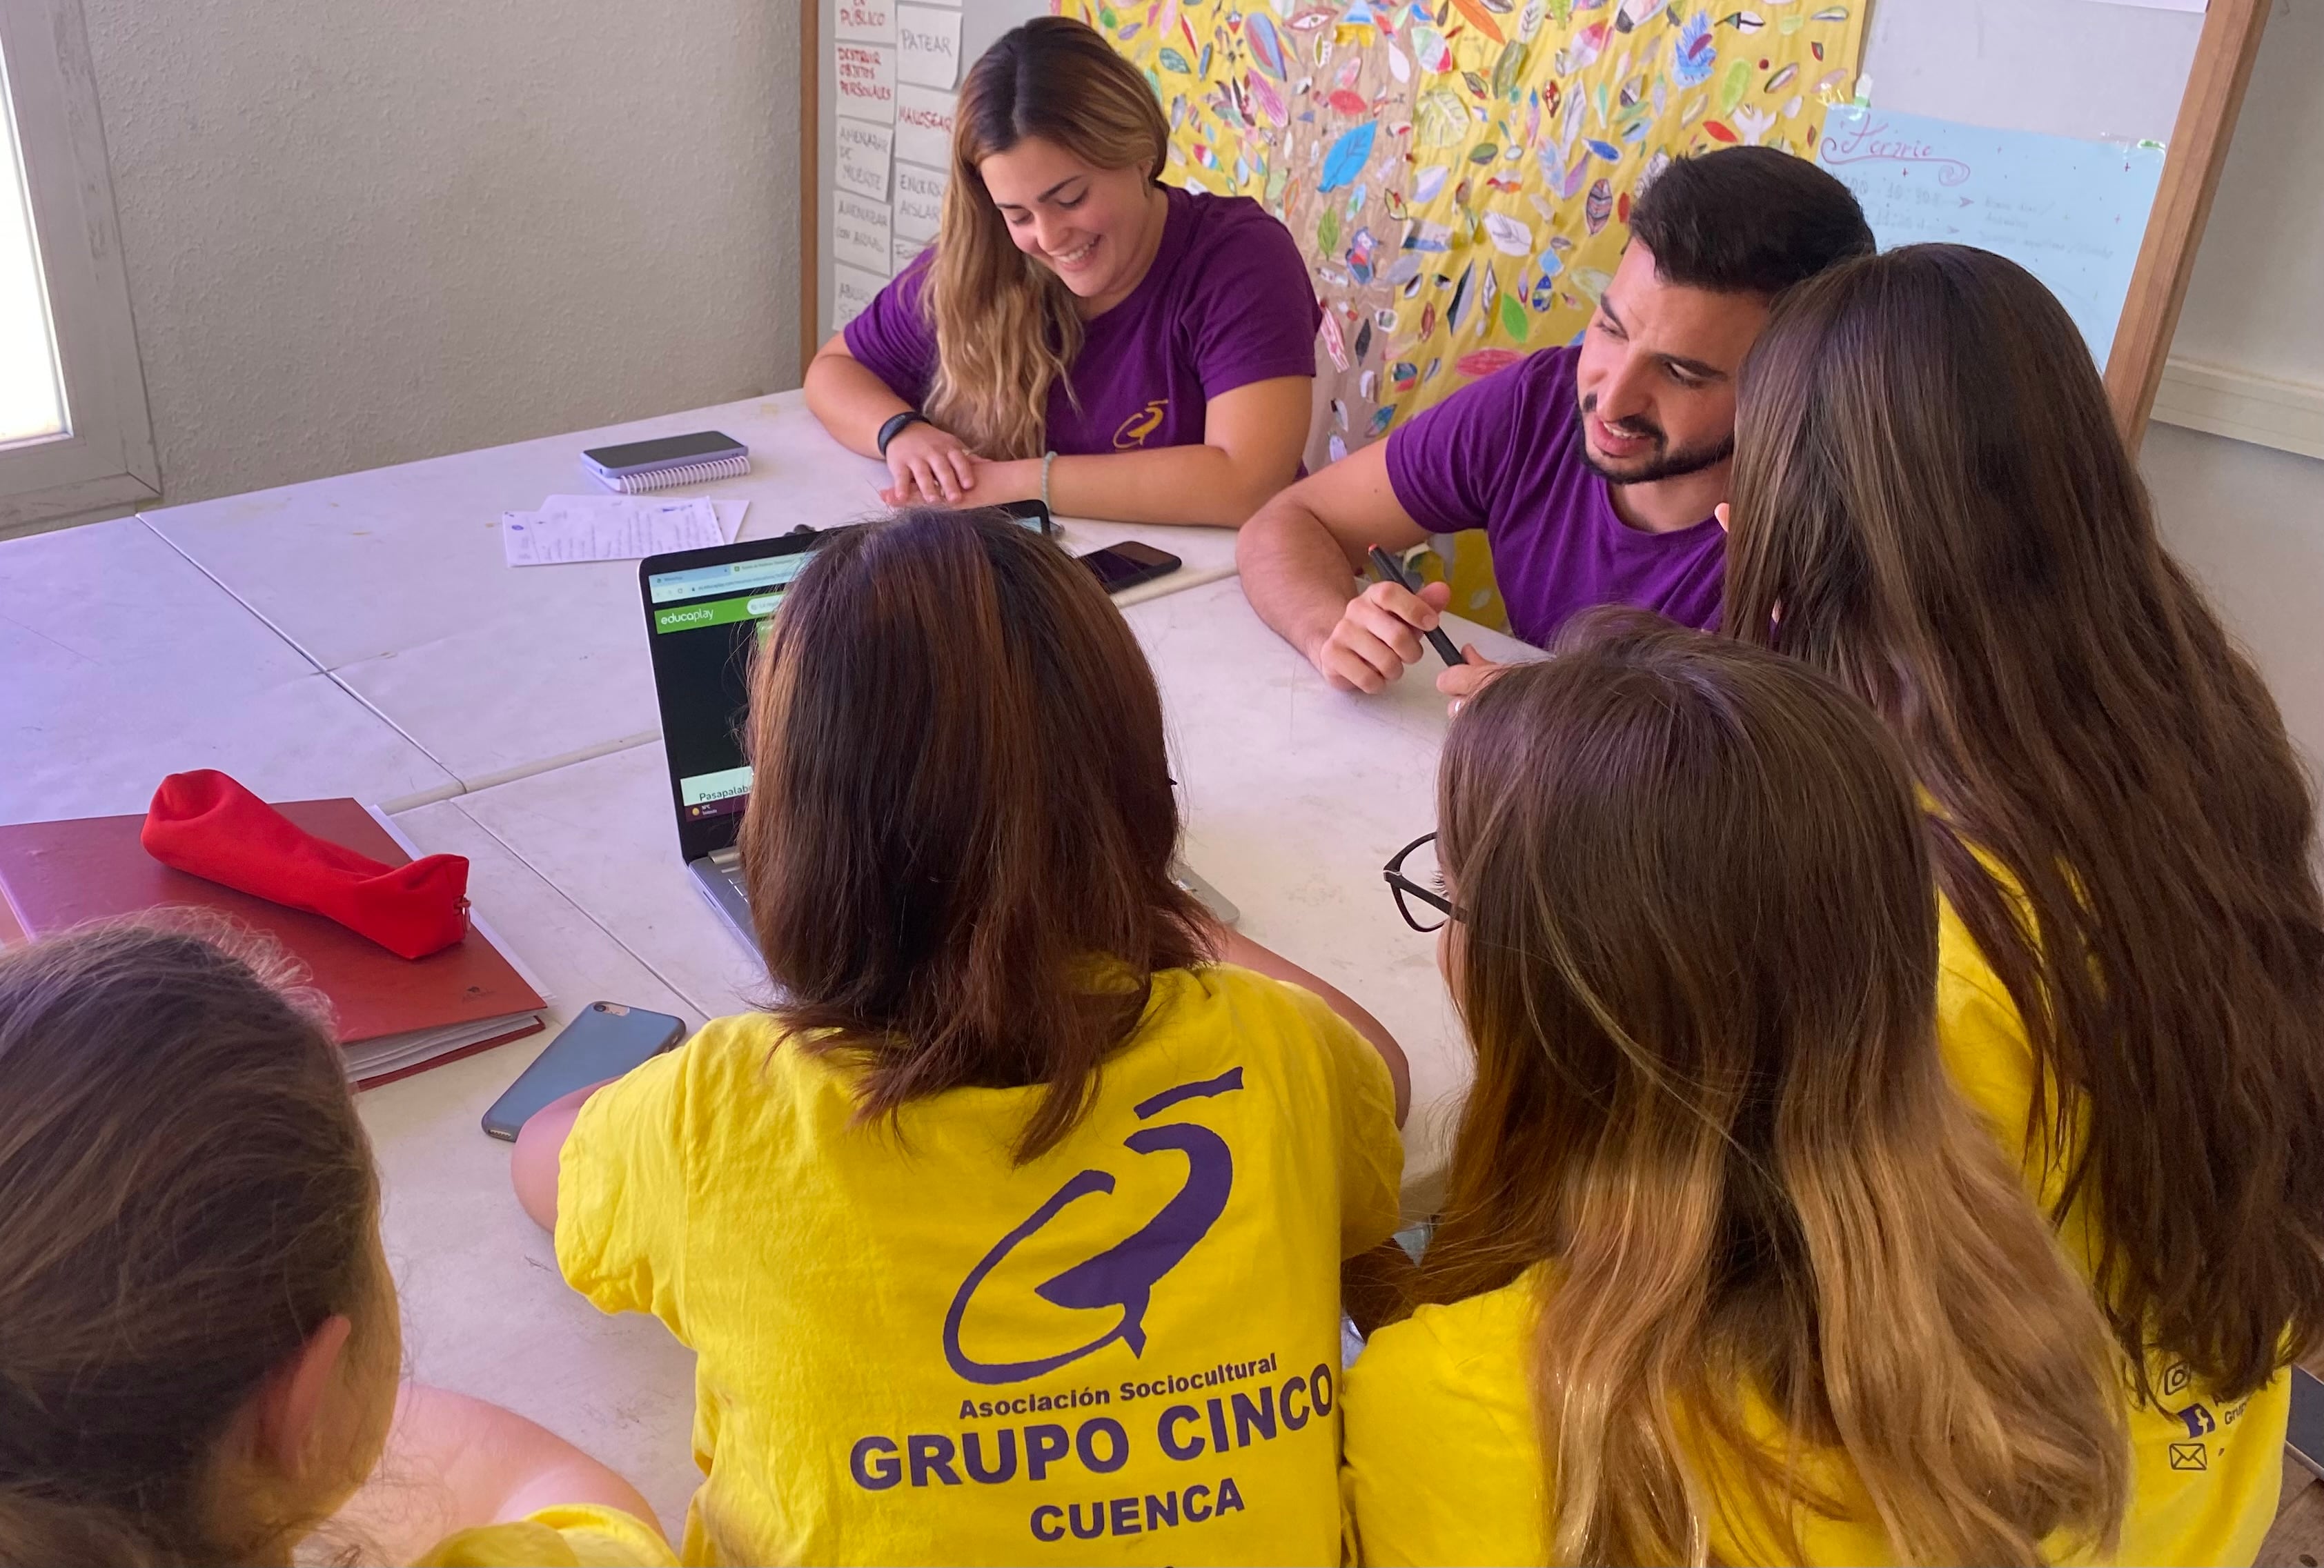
(705, 611)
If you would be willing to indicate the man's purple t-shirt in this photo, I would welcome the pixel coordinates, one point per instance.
(1226, 302)
(1504, 454)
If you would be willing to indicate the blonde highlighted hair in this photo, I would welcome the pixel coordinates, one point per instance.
(1697, 962)
(1007, 328)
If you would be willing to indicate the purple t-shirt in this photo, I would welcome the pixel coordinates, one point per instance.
(1227, 302)
(1504, 454)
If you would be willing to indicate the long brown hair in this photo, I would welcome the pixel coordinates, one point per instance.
(1697, 964)
(1007, 328)
(1932, 503)
(186, 1194)
(961, 822)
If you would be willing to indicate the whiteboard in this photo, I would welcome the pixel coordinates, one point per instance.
(2035, 128)
(982, 22)
(2097, 70)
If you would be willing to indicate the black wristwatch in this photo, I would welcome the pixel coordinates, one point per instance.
(897, 426)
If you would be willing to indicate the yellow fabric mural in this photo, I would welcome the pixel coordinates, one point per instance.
(1459, 173)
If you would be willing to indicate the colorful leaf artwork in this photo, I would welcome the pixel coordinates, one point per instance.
(1479, 362)
(1268, 102)
(1348, 156)
(1481, 18)
(1513, 318)
(1697, 51)
(1463, 292)
(1441, 120)
(1509, 236)
(1266, 44)
(1460, 173)
(1509, 69)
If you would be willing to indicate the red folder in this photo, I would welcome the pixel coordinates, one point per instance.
(395, 1016)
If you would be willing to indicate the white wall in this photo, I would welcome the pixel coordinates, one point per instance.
(2250, 520)
(358, 233)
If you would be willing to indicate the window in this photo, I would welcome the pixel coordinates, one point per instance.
(32, 397)
(74, 434)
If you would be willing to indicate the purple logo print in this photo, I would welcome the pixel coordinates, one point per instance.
(1124, 1275)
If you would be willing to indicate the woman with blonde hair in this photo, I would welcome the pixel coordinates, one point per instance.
(1932, 505)
(1726, 1270)
(1080, 333)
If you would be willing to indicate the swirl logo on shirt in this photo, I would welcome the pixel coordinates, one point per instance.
(1140, 425)
(1125, 1274)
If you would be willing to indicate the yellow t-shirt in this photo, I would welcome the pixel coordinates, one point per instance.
(1444, 1452)
(578, 1535)
(911, 1348)
(2205, 1476)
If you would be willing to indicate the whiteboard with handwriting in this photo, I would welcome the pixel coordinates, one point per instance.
(2070, 211)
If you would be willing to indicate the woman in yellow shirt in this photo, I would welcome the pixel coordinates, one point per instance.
(1726, 1270)
(199, 1338)
(1932, 505)
(1011, 1232)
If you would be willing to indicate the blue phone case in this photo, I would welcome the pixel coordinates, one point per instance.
(605, 1040)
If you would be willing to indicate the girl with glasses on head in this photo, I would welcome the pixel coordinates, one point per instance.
(198, 1337)
(1932, 505)
(1012, 1231)
(1158, 343)
(1726, 1270)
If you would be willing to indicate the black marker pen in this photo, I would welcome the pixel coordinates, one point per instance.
(1386, 566)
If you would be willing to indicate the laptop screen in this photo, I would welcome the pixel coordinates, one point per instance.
(706, 613)
(704, 625)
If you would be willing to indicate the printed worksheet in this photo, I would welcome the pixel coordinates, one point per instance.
(610, 527)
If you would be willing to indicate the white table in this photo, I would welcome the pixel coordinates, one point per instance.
(361, 636)
(484, 1308)
(1296, 796)
(120, 662)
(394, 581)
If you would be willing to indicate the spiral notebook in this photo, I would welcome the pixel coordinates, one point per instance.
(667, 478)
(665, 462)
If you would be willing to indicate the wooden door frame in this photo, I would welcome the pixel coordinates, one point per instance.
(2200, 137)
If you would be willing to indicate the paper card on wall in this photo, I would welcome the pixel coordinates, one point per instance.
(852, 288)
(906, 253)
(866, 21)
(861, 162)
(2070, 212)
(860, 235)
(867, 81)
(931, 46)
(923, 126)
(920, 201)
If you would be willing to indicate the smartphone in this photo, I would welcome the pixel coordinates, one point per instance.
(664, 452)
(2306, 1436)
(1033, 515)
(605, 1041)
(1128, 564)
